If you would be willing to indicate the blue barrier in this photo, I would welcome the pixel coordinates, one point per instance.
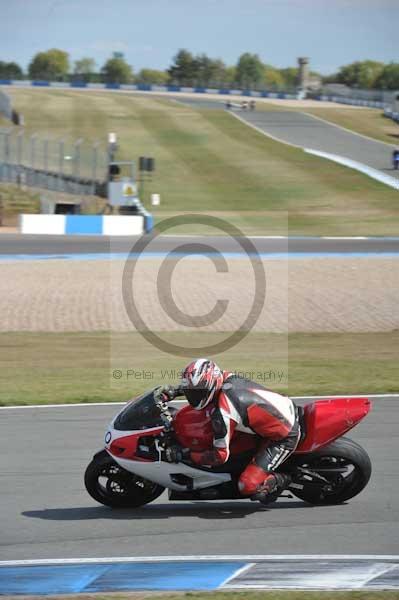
(40, 83)
(144, 87)
(199, 90)
(113, 86)
(84, 224)
(225, 91)
(5, 82)
(148, 222)
(174, 88)
(78, 84)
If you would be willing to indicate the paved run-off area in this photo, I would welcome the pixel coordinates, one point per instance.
(302, 295)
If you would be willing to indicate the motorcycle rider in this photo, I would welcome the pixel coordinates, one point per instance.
(238, 404)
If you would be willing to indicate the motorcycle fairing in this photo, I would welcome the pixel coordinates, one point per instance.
(124, 447)
(327, 420)
(166, 474)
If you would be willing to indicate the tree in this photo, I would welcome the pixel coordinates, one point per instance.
(184, 68)
(273, 78)
(250, 70)
(116, 70)
(290, 77)
(208, 70)
(52, 65)
(10, 70)
(152, 76)
(389, 77)
(84, 68)
(363, 74)
(229, 76)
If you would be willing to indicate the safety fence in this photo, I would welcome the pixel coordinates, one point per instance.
(56, 182)
(71, 167)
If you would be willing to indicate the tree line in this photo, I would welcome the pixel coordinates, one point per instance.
(185, 70)
(197, 70)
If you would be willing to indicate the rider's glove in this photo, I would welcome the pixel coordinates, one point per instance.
(166, 393)
(174, 454)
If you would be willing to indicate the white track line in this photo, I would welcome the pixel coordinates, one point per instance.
(88, 404)
(212, 557)
(357, 166)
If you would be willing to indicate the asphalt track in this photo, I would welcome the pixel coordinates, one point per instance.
(13, 244)
(307, 131)
(46, 512)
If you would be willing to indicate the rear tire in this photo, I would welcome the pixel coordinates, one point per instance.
(110, 484)
(343, 454)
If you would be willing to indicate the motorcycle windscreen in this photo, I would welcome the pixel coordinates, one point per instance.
(141, 413)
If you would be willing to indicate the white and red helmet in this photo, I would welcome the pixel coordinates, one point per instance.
(201, 380)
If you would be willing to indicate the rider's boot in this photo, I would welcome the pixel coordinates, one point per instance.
(271, 488)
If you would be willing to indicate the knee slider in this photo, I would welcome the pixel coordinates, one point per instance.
(251, 479)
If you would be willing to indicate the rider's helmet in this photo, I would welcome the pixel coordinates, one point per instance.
(201, 380)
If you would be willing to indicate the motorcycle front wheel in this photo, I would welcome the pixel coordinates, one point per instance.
(113, 486)
(344, 463)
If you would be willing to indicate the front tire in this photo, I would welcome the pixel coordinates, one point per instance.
(110, 484)
(344, 463)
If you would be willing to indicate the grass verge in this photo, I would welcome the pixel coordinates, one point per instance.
(48, 368)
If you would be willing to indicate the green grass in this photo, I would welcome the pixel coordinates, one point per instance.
(43, 368)
(207, 161)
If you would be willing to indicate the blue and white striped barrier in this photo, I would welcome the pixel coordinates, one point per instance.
(86, 224)
(147, 87)
(390, 114)
(352, 101)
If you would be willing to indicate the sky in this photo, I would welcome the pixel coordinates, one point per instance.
(150, 32)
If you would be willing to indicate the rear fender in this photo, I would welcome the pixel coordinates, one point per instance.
(327, 420)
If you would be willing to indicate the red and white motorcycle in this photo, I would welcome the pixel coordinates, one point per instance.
(131, 470)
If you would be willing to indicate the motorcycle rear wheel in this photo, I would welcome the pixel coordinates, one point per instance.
(344, 463)
(110, 484)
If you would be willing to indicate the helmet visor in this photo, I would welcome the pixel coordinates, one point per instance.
(196, 397)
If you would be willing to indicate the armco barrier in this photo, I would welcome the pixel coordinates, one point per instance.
(86, 224)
